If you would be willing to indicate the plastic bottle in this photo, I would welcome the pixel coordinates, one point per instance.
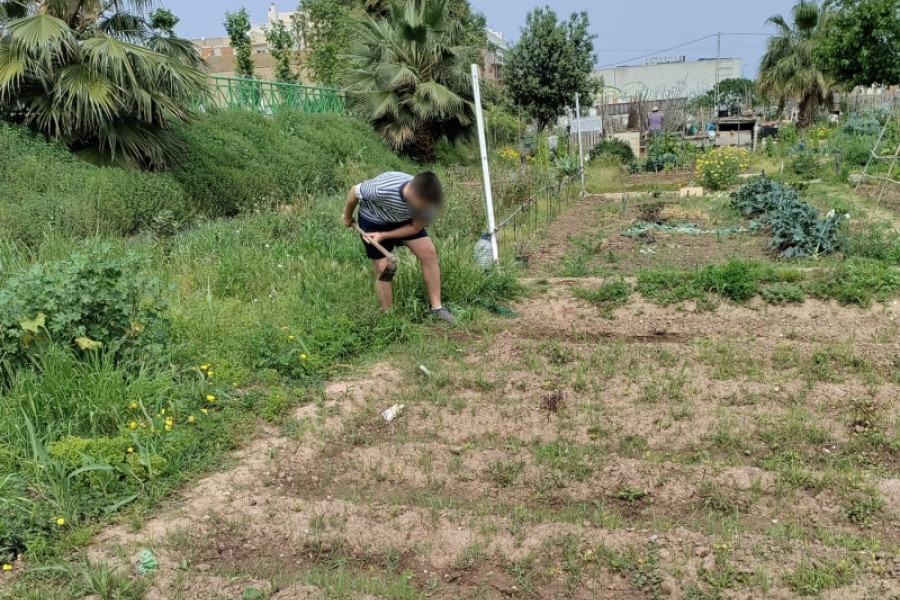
(147, 563)
(484, 252)
(393, 412)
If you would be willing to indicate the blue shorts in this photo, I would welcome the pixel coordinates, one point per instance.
(372, 227)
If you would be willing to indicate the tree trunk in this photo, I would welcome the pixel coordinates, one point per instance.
(422, 147)
(809, 110)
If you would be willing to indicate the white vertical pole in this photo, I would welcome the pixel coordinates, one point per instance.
(482, 143)
(718, 61)
(580, 147)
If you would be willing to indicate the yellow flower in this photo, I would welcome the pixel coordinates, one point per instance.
(211, 398)
(153, 430)
(132, 425)
(204, 367)
(134, 405)
(60, 521)
(204, 411)
(168, 427)
(284, 328)
(162, 412)
(302, 357)
(7, 567)
(130, 450)
(191, 419)
(209, 373)
(291, 338)
(169, 420)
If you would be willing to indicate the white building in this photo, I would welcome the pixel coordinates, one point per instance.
(495, 55)
(666, 78)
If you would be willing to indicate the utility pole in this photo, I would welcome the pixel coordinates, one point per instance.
(718, 61)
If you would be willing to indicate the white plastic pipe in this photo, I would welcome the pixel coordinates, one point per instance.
(482, 143)
(580, 148)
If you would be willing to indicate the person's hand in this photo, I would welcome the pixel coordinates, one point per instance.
(347, 220)
(375, 238)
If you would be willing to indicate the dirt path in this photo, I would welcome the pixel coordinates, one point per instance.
(661, 454)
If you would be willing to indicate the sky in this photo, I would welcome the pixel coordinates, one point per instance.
(626, 30)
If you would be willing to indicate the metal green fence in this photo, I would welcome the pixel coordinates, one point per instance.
(270, 97)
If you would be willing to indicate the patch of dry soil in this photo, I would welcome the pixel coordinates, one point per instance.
(567, 455)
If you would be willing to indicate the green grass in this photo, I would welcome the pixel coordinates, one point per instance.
(735, 280)
(267, 302)
(813, 578)
(607, 297)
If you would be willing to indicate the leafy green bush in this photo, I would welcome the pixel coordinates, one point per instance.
(787, 136)
(759, 196)
(668, 151)
(855, 150)
(878, 241)
(93, 299)
(720, 167)
(796, 228)
(614, 148)
(861, 126)
(806, 166)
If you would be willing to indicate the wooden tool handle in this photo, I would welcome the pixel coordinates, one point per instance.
(376, 244)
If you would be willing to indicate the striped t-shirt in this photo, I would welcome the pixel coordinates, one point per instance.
(381, 200)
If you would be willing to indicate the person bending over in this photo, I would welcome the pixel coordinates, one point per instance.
(394, 209)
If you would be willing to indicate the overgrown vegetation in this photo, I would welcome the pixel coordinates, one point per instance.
(129, 364)
(615, 149)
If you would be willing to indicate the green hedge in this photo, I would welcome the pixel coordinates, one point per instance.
(240, 161)
(43, 186)
(236, 162)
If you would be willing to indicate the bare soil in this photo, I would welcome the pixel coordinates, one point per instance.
(567, 455)
(589, 238)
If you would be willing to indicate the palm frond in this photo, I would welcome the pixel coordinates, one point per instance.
(409, 75)
(37, 32)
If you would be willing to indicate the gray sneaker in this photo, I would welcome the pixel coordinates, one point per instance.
(444, 315)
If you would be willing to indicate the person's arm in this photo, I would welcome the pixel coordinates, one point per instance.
(350, 207)
(398, 234)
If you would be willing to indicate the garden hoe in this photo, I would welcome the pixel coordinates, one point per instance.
(391, 269)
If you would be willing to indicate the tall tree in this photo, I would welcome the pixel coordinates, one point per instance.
(281, 47)
(789, 69)
(409, 75)
(552, 61)
(237, 24)
(861, 43)
(733, 93)
(99, 76)
(327, 29)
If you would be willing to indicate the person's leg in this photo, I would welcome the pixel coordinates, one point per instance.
(383, 289)
(424, 250)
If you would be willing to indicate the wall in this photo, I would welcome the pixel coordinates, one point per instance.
(667, 80)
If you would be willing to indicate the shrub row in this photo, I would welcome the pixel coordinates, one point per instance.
(235, 162)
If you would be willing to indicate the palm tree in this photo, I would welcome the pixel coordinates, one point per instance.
(788, 70)
(409, 75)
(96, 75)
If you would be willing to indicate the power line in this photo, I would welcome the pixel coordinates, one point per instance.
(658, 52)
(706, 37)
